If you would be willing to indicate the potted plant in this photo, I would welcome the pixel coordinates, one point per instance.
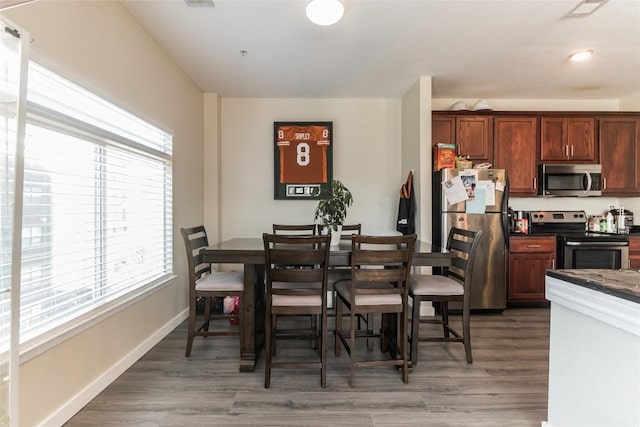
(332, 209)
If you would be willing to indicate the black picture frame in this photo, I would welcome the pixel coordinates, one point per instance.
(302, 159)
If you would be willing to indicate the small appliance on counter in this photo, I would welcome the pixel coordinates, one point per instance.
(623, 218)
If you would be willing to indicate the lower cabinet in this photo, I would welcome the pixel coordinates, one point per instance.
(529, 258)
(634, 252)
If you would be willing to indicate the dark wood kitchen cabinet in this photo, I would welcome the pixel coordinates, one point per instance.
(529, 259)
(568, 140)
(473, 135)
(634, 252)
(515, 148)
(620, 155)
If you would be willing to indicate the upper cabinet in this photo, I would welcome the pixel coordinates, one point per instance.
(473, 135)
(568, 139)
(516, 150)
(620, 155)
(520, 140)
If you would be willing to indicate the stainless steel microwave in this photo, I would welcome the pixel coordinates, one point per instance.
(569, 180)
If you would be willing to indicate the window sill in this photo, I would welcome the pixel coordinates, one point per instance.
(50, 339)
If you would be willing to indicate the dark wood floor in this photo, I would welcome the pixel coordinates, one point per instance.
(505, 386)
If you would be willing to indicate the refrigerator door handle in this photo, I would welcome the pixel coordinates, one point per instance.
(503, 212)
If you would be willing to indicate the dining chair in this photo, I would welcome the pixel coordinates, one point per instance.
(298, 230)
(206, 283)
(339, 273)
(454, 285)
(293, 291)
(380, 267)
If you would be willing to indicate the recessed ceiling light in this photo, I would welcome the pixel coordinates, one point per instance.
(581, 55)
(585, 8)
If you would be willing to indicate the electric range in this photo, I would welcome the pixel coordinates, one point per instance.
(577, 247)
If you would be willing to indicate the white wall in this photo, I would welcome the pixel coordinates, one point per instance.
(594, 358)
(366, 158)
(99, 46)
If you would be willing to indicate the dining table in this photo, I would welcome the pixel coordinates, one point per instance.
(250, 253)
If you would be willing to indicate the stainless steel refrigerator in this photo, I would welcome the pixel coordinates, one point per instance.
(488, 290)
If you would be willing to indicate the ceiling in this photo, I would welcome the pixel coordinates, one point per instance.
(472, 49)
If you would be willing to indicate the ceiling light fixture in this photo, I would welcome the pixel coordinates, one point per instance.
(581, 55)
(325, 12)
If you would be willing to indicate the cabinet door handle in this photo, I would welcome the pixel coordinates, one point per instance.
(604, 183)
(566, 151)
(535, 183)
(572, 151)
(553, 264)
(533, 246)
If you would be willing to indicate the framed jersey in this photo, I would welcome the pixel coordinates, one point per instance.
(303, 159)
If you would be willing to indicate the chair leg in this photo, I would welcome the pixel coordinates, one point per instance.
(403, 346)
(207, 313)
(241, 320)
(323, 351)
(444, 306)
(192, 328)
(466, 330)
(314, 329)
(415, 330)
(352, 347)
(267, 350)
(338, 343)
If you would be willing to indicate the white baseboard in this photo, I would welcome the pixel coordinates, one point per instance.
(76, 403)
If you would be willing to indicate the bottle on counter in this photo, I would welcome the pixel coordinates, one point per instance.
(603, 223)
(611, 227)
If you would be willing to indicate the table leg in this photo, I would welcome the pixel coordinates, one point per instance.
(252, 322)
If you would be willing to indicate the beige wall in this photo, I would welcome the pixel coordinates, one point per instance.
(366, 157)
(99, 46)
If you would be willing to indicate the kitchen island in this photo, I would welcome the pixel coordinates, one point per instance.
(594, 350)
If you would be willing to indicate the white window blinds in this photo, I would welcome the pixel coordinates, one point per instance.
(97, 204)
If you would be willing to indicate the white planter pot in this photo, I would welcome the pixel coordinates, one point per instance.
(335, 235)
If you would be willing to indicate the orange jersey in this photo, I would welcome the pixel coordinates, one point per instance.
(303, 154)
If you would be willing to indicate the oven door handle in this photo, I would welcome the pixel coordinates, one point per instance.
(609, 244)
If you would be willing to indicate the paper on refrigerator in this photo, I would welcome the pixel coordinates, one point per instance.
(490, 191)
(455, 190)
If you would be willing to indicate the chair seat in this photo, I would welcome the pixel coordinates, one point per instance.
(296, 300)
(344, 289)
(425, 284)
(232, 281)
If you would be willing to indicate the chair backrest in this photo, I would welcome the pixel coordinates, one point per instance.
(285, 254)
(464, 243)
(381, 260)
(349, 230)
(195, 238)
(295, 229)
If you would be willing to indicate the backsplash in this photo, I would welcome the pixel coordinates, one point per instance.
(591, 205)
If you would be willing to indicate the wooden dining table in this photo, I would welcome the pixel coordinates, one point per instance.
(250, 253)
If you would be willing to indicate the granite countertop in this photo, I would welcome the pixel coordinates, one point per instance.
(620, 283)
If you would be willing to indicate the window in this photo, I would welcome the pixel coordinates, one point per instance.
(97, 220)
